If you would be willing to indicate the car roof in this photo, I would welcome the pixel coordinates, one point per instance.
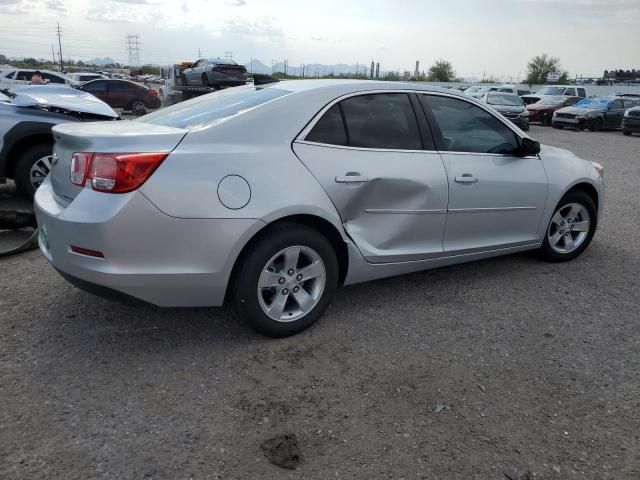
(112, 80)
(340, 86)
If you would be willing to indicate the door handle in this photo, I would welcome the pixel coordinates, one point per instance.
(352, 177)
(466, 178)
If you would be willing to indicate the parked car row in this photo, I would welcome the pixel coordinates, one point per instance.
(593, 114)
(131, 96)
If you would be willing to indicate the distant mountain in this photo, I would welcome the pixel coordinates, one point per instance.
(101, 61)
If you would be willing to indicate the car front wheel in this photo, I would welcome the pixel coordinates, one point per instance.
(286, 281)
(571, 227)
(32, 168)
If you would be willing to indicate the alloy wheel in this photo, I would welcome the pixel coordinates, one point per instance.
(39, 170)
(291, 283)
(569, 228)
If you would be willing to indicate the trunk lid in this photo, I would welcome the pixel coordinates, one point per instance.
(105, 137)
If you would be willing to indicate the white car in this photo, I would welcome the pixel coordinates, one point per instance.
(22, 76)
(86, 76)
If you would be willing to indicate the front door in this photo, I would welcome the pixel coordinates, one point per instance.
(382, 174)
(496, 199)
(613, 115)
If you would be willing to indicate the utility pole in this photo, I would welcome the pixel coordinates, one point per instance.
(372, 67)
(53, 54)
(228, 55)
(199, 53)
(60, 48)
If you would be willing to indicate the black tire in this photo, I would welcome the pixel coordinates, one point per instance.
(575, 196)
(559, 127)
(22, 172)
(138, 107)
(546, 120)
(626, 133)
(596, 125)
(244, 299)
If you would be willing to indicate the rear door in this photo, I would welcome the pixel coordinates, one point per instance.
(496, 199)
(97, 89)
(121, 93)
(374, 157)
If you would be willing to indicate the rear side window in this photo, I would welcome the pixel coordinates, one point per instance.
(582, 92)
(213, 107)
(570, 91)
(523, 92)
(628, 103)
(330, 128)
(466, 127)
(383, 120)
(53, 78)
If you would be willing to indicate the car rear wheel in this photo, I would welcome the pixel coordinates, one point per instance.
(32, 168)
(286, 281)
(571, 227)
(627, 133)
(138, 107)
(596, 125)
(546, 120)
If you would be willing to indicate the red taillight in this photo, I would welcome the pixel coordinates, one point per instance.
(152, 93)
(79, 163)
(117, 172)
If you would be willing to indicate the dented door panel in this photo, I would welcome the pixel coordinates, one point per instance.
(392, 203)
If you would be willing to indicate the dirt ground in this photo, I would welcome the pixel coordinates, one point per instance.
(467, 372)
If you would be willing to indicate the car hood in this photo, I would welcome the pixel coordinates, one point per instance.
(580, 111)
(64, 97)
(540, 106)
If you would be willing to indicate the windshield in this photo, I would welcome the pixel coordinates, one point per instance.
(593, 103)
(472, 89)
(508, 100)
(213, 108)
(552, 101)
(551, 91)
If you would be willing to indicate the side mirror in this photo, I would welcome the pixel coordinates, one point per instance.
(528, 147)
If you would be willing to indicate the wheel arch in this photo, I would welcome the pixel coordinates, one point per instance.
(322, 225)
(588, 189)
(22, 144)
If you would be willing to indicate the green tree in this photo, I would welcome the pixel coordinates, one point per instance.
(441, 71)
(542, 65)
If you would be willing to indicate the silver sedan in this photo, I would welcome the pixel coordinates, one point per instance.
(269, 198)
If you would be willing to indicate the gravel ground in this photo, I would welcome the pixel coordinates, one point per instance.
(459, 373)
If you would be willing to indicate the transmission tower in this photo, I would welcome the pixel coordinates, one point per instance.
(133, 47)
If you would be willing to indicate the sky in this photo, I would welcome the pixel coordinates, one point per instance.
(492, 37)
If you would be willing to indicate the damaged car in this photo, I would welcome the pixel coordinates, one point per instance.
(268, 198)
(26, 119)
(594, 114)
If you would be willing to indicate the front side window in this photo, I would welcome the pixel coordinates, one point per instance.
(582, 92)
(468, 128)
(94, 87)
(628, 104)
(524, 92)
(570, 91)
(616, 105)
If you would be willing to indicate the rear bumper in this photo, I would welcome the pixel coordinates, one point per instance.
(149, 256)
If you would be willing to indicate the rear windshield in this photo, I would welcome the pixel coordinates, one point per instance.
(212, 108)
(551, 91)
(593, 103)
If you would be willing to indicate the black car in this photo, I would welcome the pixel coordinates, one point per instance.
(593, 113)
(631, 121)
(123, 94)
(510, 106)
